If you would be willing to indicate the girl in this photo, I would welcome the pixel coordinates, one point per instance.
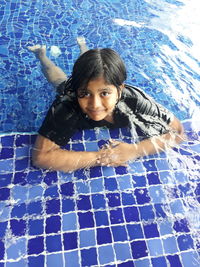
(94, 96)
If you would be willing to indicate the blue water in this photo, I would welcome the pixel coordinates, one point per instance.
(144, 215)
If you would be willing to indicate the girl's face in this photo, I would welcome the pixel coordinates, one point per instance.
(98, 100)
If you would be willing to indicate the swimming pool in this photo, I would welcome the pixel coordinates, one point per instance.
(143, 215)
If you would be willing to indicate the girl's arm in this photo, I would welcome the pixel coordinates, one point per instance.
(53, 74)
(46, 154)
(120, 152)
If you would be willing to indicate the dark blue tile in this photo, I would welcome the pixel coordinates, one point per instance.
(3, 227)
(160, 210)
(51, 192)
(153, 178)
(36, 261)
(35, 208)
(127, 199)
(2, 250)
(142, 196)
(98, 201)
(174, 260)
(95, 172)
(5, 179)
(67, 189)
(185, 242)
(139, 249)
(4, 193)
(86, 219)
(197, 190)
(36, 245)
(50, 178)
(70, 240)
(78, 147)
(150, 165)
(126, 264)
(135, 231)
(89, 257)
(34, 177)
(7, 141)
(121, 170)
(22, 140)
(181, 226)
(53, 224)
(151, 230)
(19, 211)
(20, 178)
(101, 218)
(160, 261)
(36, 227)
(53, 243)
(131, 214)
(119, 233)
(18, 227)
(113, 199)
(139, 181)
(80, 174)
(77, 136)
(68, 205)
(89, 135)
(146, 213)
(6, 153)
(21, 164)
(110, 184)
(53, 206)
(116, 216)
(104, 236)
(83, 203)
(185, 190)
(114, 133)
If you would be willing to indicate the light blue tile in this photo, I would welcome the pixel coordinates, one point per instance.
(82, 187)
(157, 194)
(20, 193)
(136, 167)
(122, 251)
(162, 164)
(87, 238)
(16, 249)
(167, 177)
(142, 263)
(6, 166)
(181, 176)
(155, 247)
(96, 185)
(19, 263)
(4, 211)
(165, 227)
(170, 245)
(125, 182)
(22, 151)
(190, 259)
(72, 259)
(69, 221)
(177, 206)
(55, 260)
(91, 146)
(106, 254)
(35, 192)
(108, 171)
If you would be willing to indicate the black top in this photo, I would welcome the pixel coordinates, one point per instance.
(135, 109)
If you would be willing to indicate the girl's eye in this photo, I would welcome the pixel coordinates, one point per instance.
(83, 94)
(105, 93)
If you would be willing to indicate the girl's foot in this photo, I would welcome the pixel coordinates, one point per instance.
(82, 44)
(38, 50)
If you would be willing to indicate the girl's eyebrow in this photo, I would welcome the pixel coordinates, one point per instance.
(99, 90)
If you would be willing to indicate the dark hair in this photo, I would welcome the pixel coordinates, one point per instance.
(95, 63)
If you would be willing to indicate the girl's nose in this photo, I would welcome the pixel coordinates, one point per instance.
(95, 102)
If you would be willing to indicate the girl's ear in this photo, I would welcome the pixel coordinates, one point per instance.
(120, 91)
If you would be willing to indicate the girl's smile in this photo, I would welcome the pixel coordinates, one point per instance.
(98, 100)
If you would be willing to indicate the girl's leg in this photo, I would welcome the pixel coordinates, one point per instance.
(82, 44)
(53, 74)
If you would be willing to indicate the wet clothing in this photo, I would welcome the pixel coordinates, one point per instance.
(135, 109)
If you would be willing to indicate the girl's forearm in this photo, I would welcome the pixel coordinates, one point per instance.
(64, 160)
(155, 144)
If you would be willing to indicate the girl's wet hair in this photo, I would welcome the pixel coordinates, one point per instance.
(97, 63)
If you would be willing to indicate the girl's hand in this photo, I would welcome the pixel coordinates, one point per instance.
(116, 154)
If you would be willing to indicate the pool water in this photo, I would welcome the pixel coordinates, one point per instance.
(146, 214)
